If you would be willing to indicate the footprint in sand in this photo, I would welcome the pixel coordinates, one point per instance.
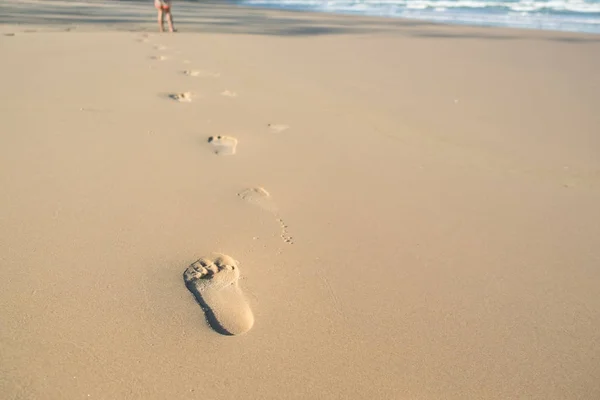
(229, 93)
(9, 34)
(261, 198)
(278, 128)
(184, 97)
(223, 145)
(199, 73)
(160, 58)
(160, 47)
(214, 283)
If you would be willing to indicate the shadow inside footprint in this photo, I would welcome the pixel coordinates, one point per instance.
(211, 318)
(214, 284)
(184, 97)
(223, 145)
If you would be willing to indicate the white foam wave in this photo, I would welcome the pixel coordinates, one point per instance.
(567, 15)
(577, 6)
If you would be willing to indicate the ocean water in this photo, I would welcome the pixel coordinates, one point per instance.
(560, 15)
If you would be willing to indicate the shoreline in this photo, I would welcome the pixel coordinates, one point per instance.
(138, 18)
(555, 23)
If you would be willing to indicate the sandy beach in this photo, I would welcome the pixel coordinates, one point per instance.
(288, 205)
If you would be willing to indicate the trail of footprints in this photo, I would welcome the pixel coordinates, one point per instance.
(214, 280)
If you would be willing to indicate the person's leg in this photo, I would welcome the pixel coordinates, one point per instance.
(170, 21)
(160, 20)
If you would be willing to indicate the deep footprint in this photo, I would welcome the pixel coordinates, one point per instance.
(214, 283)
(223, 145)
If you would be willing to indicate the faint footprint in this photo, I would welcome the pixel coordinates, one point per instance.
(184, 97)
(9, 34)
(277, 128)
(223, 145)
(260, 197)
(160, 47)
(214, 283)
(160, 58)
(229, 93)
(200, 73)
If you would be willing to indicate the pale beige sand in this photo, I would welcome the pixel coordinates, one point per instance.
(441, 185)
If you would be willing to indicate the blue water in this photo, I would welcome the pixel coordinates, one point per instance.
(560, 15)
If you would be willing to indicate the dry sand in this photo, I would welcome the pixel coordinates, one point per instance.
(414, 208)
